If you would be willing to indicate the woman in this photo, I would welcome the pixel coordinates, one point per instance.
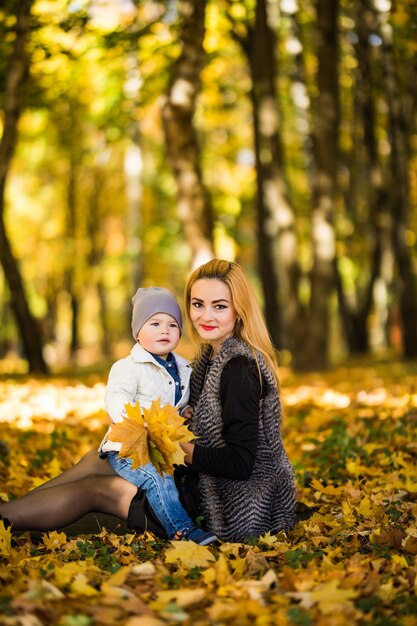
(238, 475)
(246, 482)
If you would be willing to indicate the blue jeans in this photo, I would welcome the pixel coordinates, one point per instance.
(161, 492)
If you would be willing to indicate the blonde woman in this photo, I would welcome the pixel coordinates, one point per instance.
(246, 483)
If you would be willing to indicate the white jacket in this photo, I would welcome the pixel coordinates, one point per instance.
(140, 378)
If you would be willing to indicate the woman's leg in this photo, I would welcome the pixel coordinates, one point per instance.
(60, 505)
(89, 465)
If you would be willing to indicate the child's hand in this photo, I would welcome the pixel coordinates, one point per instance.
(187, 412)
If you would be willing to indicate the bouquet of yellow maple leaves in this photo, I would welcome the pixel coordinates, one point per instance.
(152, 435)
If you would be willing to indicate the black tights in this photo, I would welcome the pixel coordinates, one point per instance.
(89, 486)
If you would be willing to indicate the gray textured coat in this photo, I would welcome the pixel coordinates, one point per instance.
(235, 509)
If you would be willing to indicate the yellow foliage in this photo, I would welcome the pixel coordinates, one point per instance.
(351, 558)
(5, 539)
(54, 540)
(152, 435)
(181, 597)
(81, 587)
(188, 554)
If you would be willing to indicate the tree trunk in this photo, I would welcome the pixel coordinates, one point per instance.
(72, 273)
(276, 223)
(400, 205)
(275, 217)
(194, 206)
(355, 317)
(13, 102)
(315, 331)
(96, 255)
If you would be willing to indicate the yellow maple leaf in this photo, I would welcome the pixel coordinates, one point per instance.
(68, 572)
(188, 554)
(365, 508)
(133, 435)
(144, 620)
(54, 540)
(5, 539)
(330, 596)
(181, 597)
(219, 571)
(268, 539)
(118, 578)
(152, 437)
(81, 586)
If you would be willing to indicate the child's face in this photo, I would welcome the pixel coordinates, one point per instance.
(159, 334)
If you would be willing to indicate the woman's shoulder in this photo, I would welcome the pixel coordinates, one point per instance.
(241, 364)
(242, 368)
(236, 347)
(240, 376)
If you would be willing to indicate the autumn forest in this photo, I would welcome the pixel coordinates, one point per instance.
(140, 138)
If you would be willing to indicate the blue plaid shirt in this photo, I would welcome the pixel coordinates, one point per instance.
(170, 365)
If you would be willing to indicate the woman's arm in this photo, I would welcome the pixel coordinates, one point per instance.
(240, 392)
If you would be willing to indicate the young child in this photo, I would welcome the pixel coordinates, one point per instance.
(152, 371)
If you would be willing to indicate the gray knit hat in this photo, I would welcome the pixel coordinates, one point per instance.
(150, 300)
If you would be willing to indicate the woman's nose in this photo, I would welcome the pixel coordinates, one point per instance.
(207, 314)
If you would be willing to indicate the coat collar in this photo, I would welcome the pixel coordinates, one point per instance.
(140, 355)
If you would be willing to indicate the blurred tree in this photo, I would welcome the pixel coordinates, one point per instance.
(96, 254)
(400, 133)
(313, 324)
(366, 193)
(194, 204)
(72, 227)
(275, 218)
(16, 76)
(303, 152)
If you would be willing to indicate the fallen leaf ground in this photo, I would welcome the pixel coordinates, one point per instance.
(351, 559)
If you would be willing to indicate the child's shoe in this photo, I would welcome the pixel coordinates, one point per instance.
(198, 535)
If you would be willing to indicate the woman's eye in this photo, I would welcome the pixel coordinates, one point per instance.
(220, 306)
(197, 305)
(154, 323)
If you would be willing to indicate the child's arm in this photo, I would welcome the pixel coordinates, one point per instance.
(120, 390)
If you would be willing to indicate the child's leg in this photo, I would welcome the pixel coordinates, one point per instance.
(161, 493)
(89, 465)
(58, 506)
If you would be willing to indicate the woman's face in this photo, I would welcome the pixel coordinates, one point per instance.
(212, 311)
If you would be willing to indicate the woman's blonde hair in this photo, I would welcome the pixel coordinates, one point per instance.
(251, 325)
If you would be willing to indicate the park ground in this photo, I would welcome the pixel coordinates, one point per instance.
(351, 558)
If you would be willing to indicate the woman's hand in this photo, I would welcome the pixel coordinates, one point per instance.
(188, 448)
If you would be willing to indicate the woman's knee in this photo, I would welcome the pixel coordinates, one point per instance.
(108, 493)
(88, 458)
(92, 464)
